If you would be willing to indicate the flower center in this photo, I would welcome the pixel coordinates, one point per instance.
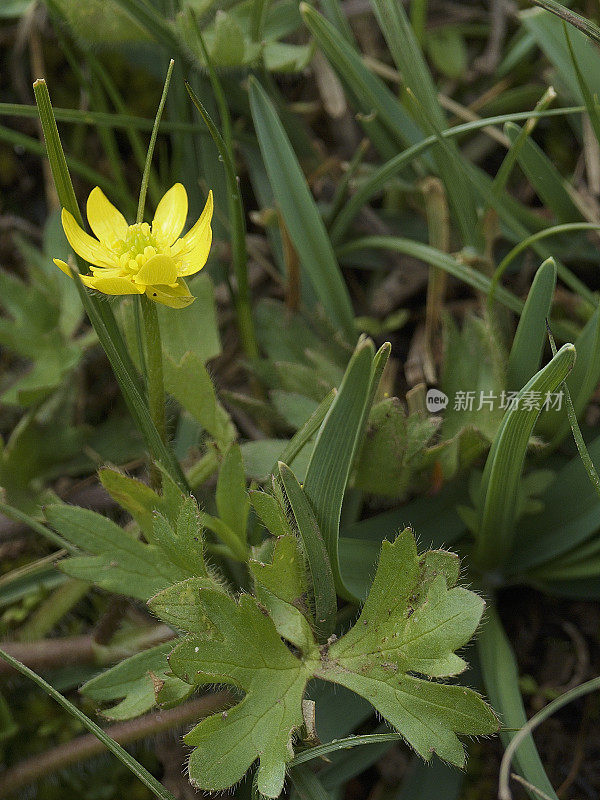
(137, 247)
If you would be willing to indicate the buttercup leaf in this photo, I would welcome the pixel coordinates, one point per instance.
(413, 620)
(247, 652)
(282, 588)
(117, 561)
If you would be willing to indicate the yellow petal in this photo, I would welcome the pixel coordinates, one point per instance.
(201, 232)
(159, 269)
(64, 266)
(193, 261)
(112, 271)
(171, 214)
(85, 245)
(111, 285)
(107, 222)
(178, 296)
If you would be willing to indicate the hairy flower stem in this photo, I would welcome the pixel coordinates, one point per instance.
(154, 376)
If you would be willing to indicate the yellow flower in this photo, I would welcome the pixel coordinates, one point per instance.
(141, 259)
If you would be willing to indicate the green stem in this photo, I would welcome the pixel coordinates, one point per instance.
(154, 134)
(154, 371)
(153, 360)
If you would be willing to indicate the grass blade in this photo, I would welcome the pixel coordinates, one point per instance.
(157, 789)
(554, 230)
(343, 744)
(316, 553)
(591, 102)
(334, 451)
(576, 20)
(435, 258)
(506, 167)
(578, 691)
(307, 431)
(380, 176)
(300, 213)
(408, 57)
(526, 351)
(497, 503)
(547, 181)
(501, 678)
(370, 93)
(581, 383)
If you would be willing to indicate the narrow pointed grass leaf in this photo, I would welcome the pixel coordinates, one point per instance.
(56, 156)
(497, 503)
(334, 451)
(528, 344)
(547, 181)
(575, 429)
(529, 241)
(102, 119)
(548, 33)
(234, 199)
(300, 213)
(409, 60)
(507, 209)
(380, 176)
(157, 789)
(304, 434)
(371, 94)
(570, 517)
(408, 57)
(501, 676)
(576, 20)
(31, 145)
(29, 522)
(348, 764)
(152, 145)
(315, 551)
(436, 258)
(504, 172)
(347, 743)
(335, 14)
(591, 102)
